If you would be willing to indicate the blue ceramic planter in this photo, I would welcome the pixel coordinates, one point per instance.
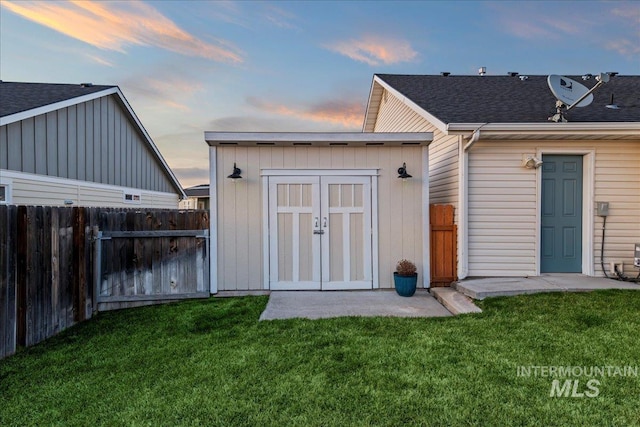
(405, 285)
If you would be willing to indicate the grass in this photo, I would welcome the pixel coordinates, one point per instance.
(212, 363)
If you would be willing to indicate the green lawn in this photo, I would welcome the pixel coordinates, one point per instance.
(212, 363)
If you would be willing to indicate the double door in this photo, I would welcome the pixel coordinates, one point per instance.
(320, 233)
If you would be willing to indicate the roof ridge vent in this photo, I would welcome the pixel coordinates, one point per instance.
(523, 78)
(86, 84)
(445, 73)
(512, 74)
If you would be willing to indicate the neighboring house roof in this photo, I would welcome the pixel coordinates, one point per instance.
(18, 97)
(503, 99)
(200, 191)
(20, 100)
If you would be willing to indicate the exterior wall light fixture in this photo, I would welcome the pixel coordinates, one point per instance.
(236, 173)
(402, 172)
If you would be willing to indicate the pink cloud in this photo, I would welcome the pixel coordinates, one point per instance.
(624, 47)
(280, 18)
(374, 50)
(346, 113)
(100, 60)
(114, 26)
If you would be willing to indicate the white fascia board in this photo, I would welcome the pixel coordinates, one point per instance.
(369, 110)
(605, 128)
(441, 126)
(56, 106)
(153, 146)
(317, 138)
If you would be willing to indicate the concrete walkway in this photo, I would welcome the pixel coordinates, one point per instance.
(454, 301)
(316, 305)
(482, 288)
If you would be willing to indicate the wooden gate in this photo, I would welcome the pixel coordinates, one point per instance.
(443, 245)
(141, 266)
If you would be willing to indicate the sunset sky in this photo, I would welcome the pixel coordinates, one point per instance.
(193, 66)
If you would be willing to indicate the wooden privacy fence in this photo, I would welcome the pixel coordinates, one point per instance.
(52, 260)
(444, 250)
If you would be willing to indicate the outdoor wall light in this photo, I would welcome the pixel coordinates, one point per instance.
(402, 172)
(531, 162)
(236, 173)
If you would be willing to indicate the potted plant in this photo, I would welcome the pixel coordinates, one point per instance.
(405, 278)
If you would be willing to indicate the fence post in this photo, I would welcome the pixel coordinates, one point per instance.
(79, 277)
(21, 277)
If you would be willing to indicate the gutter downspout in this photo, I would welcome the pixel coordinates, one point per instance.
(475, 136)
(463, 240)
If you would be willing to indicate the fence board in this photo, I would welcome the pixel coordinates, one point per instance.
(8, 217)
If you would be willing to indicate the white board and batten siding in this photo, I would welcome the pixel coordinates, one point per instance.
(93, 142)
(395, 116)
(240, 244)
(504, 199)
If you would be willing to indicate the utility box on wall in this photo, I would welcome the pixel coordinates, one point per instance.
(636, 256)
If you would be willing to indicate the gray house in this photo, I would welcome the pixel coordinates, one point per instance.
(78, 145)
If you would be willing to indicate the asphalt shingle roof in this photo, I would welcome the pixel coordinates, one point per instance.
(506, 99)
(16, 97)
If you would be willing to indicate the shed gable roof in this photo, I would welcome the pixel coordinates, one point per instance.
(506, 99)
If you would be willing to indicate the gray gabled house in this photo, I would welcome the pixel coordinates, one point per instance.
(78, 145)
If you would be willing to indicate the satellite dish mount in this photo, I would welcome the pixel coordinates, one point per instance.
(569, 93)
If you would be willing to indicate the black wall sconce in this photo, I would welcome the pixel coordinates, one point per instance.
(236, 173)
(402, 172)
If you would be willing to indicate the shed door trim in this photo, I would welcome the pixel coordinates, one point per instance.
(319, 172)
(372, 173)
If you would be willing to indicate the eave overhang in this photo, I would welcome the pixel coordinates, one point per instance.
(317, 139)
(547, 131)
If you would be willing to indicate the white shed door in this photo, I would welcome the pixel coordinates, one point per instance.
(320, 233)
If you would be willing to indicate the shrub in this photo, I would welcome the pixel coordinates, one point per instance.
(405, 268)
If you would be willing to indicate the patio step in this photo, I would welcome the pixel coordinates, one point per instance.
(454, 301)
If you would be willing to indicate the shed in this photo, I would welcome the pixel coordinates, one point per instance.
(316, 211)
(78, 145)
(526, 190)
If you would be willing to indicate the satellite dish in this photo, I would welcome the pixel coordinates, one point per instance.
(569, 91)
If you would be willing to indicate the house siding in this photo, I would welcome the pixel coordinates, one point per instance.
(503, 198)
(31, 189)
(396, 116)
(93, 141)
(239, 224)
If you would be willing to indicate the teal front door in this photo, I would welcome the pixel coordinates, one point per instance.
(561, 214)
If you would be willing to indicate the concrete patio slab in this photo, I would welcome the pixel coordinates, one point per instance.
(327, 304)
(481, 288)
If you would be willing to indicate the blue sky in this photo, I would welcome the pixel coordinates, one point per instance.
(193, 66)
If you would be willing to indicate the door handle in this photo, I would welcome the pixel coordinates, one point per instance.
(324, 223)
(316, 222)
